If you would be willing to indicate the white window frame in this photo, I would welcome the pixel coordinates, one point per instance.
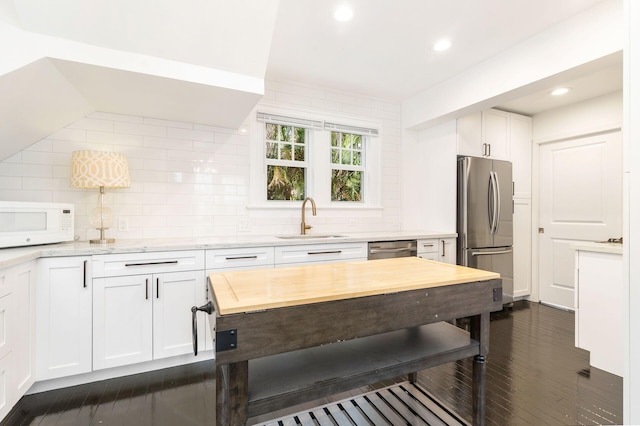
(318, 157)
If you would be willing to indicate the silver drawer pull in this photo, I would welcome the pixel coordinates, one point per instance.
(325, 252)
(240, 257)
(390, 250)
(168, 262)
(428, 245)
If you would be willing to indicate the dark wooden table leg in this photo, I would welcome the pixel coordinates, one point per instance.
(232, 393)
(480, 331)
(479, 366)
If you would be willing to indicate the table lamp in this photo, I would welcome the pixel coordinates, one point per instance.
(97, 169)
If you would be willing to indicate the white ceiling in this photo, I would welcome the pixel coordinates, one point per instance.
(385, 50)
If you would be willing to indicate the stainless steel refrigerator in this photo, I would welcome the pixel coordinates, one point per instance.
(485, 218)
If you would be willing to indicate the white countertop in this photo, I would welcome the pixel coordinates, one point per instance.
(14, 256)
(612, 248)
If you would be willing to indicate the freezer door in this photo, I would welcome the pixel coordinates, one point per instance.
(474, 216)
(503, 232)
(495, 259)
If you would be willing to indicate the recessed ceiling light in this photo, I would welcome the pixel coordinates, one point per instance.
(343, 13)
(560, 91)
(441, 45)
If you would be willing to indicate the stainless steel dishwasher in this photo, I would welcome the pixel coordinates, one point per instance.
(390, 249)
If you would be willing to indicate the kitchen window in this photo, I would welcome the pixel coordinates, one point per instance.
(286, 160)
(347, 166)
(297, 157)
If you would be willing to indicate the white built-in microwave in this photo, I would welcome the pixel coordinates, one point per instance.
(26, 224)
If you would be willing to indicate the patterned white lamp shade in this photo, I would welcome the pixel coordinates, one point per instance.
(93, 169)
(96, 169)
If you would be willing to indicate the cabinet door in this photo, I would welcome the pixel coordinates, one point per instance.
(469, 133)
(25, 326)
(64, 305)
(122, 320)
(8, 397)
(521, 247)
(447, 250)
(495, 133)
(174, 294)
(520, 137)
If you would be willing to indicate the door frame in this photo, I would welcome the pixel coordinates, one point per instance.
(535, 193)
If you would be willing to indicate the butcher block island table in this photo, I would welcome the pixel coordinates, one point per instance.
(290, 335)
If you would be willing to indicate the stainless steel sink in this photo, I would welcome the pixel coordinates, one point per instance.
(308, 236)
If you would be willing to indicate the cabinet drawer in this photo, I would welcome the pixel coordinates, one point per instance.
(239, 258)
(113, 265)
(430, 245)
(320, 253)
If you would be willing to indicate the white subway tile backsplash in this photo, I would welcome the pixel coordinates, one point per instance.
(11, 182)
(189, 179)
(92, 123)
(124, 141)
(167, 123)
(168, 143)
(69, 134)
(44, 184)
(139, 129)
(32, 170)
(189, 134)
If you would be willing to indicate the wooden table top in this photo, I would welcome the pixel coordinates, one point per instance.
(253, 290)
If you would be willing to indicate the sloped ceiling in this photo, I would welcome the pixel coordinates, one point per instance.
(194, 60)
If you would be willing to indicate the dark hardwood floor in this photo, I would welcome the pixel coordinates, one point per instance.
(535, 376)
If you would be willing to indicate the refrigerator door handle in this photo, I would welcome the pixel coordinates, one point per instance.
(494, 202)
(490, 203)
(488, 253)
(497, 200)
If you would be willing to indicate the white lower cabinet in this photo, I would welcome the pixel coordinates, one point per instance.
(122, 321)
(63, 336)
(440, 249)
(599, 306)
(146, 316)
(17, 333)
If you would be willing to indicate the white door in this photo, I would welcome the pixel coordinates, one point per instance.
(580, 200)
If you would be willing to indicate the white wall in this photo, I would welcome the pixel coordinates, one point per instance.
(631, 178)
(190, 180)
(429, 168)
(591, 116)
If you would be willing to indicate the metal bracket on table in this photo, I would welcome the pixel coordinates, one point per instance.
(226, 340)
(497, 294)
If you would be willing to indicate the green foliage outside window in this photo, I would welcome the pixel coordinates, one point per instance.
(347, 158)
(285, 149)
(345, 185)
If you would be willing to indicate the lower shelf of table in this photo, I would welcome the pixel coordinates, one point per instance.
(399, 404)
(291, 378)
